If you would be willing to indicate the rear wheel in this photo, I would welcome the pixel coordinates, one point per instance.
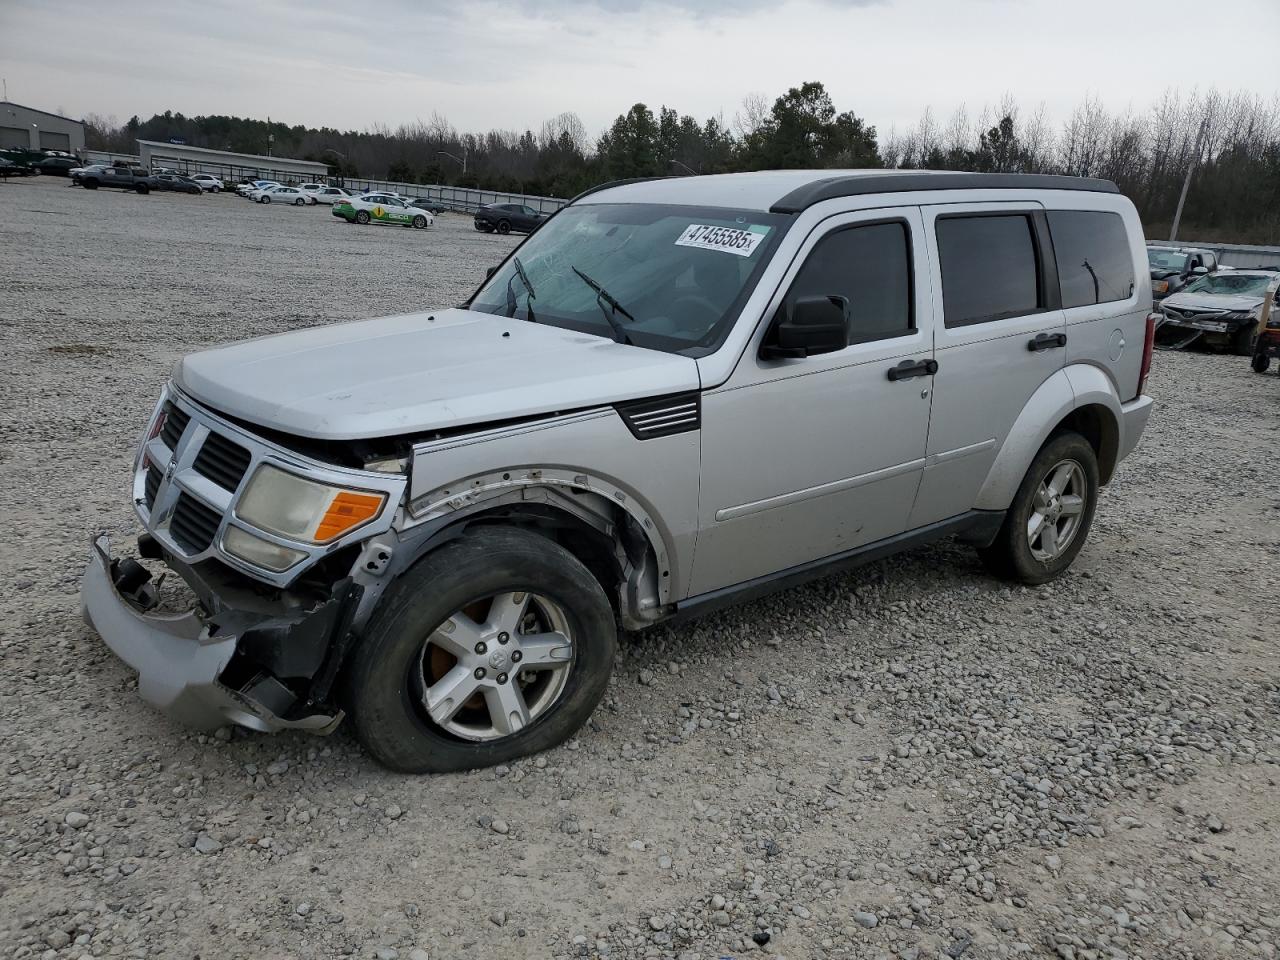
(362, 216)
(504, 226)
(496, 646)
(90, 184)
(1049, 519)
(1260, 362)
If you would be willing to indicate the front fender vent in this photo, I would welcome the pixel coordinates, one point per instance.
(663, 416)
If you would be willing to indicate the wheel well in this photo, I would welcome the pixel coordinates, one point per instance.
(1097, 425)
(593, 548)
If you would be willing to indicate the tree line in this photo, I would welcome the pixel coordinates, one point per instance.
(1230, 144)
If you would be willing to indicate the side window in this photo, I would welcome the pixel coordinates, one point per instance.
(1092, 250)
(989, 268)
(1211, 262)
(870, 266)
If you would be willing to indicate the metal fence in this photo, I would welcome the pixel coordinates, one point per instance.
(461, 199)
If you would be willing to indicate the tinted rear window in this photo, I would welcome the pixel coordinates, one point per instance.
(989, 268)
(1094, 262)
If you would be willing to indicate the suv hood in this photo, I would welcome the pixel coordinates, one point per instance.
(423, 372)
(1212, 301)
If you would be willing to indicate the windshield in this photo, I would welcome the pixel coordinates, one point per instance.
(1231, 284)
(1166, 259)
(669, 278)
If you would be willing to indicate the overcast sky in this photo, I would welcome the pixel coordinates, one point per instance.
(515, 63)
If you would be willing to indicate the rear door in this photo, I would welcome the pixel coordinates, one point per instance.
(1002, 335)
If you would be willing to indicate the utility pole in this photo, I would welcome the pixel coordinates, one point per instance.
(1186, 182)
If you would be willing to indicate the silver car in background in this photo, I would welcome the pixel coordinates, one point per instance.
(674, 395)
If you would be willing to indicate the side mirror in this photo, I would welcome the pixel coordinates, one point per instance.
(1199, 271)
(489, 272)
(809, 326)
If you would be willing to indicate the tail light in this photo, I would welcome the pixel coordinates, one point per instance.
(1148, 348)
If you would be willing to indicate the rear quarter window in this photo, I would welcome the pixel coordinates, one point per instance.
(1094, 261)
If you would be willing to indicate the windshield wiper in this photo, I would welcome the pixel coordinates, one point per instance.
(511, 297)
(602, 297)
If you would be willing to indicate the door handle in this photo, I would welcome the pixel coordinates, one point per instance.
(908, 369)
(1047, 341)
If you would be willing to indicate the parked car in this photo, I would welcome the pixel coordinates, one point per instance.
(434, 522)
(10, 169)
(434, 207)
(331, 195)
(57, 166)
(382, 208)
(280, 194)
(1172, 268)
(506, 217)
(246, 188)
(208, 182)
(175, 183)
(1222, 308)
(125, 178)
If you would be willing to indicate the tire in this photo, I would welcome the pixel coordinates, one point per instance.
(91, 184)
(1011, 555)
(300, 202)
(266, 199)
(389, 669)
(362, 216)
(142, 188)
(215, 189)
(1242, 342)
(419, 222)
(1260, 362)
(504, 226)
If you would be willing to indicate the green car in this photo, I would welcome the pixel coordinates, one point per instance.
(382, 208)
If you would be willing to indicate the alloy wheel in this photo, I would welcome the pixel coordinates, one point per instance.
(1056, 510)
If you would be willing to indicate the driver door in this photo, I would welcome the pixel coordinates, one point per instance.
(805, 459)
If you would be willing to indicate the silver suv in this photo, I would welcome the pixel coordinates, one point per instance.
(676, 394)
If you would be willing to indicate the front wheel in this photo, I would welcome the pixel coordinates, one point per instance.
(142, 188)
(419, 223)
(496, 646)
(266, 199)
(1050, 516)
(300, 202)
(1260, 362)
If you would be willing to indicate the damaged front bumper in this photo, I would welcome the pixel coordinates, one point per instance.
(207, 671)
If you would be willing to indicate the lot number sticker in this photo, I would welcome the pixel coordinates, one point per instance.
(741, 243)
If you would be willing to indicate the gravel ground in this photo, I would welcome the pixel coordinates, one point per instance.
(910, 761)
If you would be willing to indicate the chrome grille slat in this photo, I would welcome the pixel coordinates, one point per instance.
(152, 484)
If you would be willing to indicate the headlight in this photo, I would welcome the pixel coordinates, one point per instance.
(291, 506)
(1159, 286)
(257, 551)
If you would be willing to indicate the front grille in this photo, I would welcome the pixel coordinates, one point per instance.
(193, 525)
(175, 422)
(152, 484)
(222, 461)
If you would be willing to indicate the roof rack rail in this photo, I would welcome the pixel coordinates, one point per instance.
(830, 188)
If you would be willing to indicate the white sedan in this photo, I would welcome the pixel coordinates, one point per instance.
(282, 195)
(382, 208)
(245, 189)
(207, 182)
(325, 194)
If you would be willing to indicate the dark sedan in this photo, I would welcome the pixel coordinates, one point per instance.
(172, 181)
(506, 217)
(10, 169)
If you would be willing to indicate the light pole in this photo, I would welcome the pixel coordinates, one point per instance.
(462, 159)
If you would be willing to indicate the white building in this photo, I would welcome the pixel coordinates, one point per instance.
(27, 128)
(229, 166)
